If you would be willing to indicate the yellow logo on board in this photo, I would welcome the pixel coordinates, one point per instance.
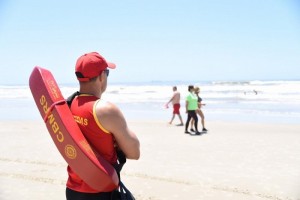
(70, 151)
(54, 89)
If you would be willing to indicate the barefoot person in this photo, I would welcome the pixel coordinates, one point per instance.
(199, 111)
(175, 99)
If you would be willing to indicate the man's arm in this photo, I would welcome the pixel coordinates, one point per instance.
(170, 100)
(112, 119)
(186, 106)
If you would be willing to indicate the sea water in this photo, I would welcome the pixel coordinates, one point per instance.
(248, 101)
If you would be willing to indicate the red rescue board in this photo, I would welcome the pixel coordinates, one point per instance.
(68, 138)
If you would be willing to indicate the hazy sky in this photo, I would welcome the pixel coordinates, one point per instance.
(157, 40)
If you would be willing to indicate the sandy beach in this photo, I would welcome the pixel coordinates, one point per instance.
(232, 161)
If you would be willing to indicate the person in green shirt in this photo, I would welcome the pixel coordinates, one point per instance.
(191, 107)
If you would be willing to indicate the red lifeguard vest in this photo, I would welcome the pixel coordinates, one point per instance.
(83, 109)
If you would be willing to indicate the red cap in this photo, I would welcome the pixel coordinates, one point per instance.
(91, 65)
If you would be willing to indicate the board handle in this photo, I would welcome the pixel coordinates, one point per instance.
(51, 108)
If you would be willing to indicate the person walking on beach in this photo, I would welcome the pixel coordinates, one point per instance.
(175, 99)
(191, 107)
(199, 111)
(103, 123)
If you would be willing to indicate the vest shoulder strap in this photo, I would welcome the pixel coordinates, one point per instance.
(70, 98)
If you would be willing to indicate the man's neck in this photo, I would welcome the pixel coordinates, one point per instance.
(90, 89)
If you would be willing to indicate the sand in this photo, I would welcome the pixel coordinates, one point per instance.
(232, 161)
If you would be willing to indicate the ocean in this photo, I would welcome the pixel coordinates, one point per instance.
(245, 101)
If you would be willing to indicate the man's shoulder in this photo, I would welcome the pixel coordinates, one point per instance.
(176, 93)
(106, 108)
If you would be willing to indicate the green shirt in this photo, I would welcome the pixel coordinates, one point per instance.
(192, 101)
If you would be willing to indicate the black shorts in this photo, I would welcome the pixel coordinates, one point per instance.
(74, 195)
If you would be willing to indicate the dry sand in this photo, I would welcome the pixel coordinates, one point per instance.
(232, 161)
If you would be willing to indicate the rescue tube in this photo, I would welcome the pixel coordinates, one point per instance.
(67, 136)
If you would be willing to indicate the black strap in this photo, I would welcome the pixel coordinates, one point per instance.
(71, 98)
(120, 162)
(122, 193)
(125, 193)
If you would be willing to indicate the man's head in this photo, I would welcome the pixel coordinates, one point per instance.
(91, 65)
(174, 88)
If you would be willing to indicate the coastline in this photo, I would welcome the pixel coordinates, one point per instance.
(234, 160)
(275, 101)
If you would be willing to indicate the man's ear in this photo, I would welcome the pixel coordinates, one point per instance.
(100, 77)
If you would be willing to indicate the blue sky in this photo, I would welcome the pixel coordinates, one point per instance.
(188, 40)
